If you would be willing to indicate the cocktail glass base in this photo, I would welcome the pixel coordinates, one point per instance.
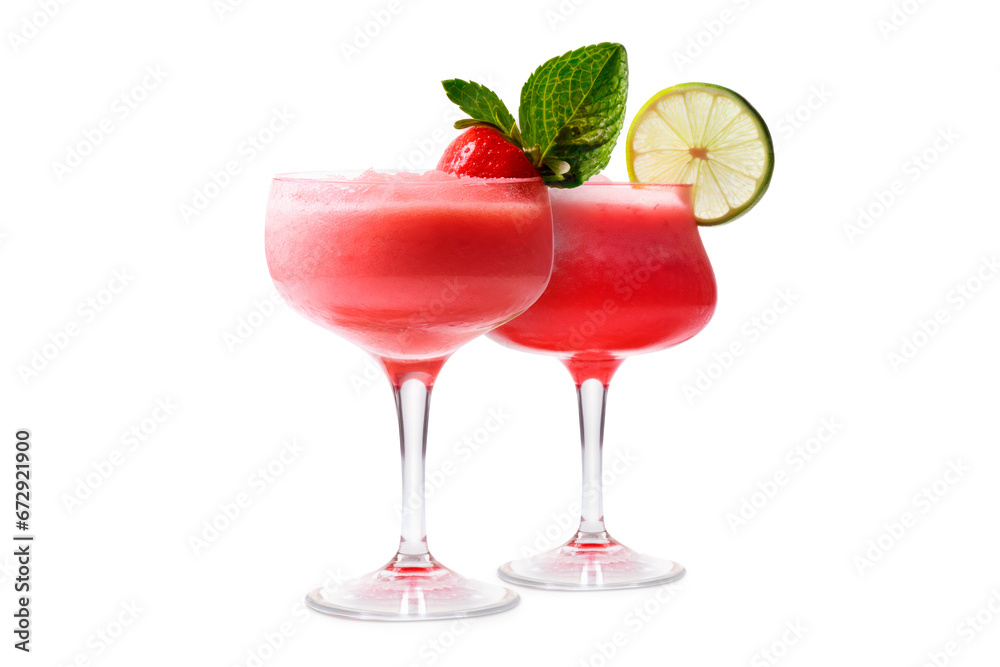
(412, 589)
(589, 563)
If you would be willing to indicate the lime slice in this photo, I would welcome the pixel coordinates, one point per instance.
(706, 135)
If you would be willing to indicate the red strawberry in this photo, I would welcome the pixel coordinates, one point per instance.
(484, 152)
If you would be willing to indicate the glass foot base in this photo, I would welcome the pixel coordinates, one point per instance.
(412, 589)
(590, 564)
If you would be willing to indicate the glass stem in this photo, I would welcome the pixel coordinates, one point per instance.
(592, 395)
(413, 399)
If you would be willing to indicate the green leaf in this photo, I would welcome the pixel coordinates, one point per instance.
(572, 111)
(482, 105)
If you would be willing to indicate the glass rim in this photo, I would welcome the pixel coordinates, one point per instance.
(342, 176)
(349, 176)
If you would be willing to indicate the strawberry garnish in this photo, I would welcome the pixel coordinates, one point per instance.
(484, 152)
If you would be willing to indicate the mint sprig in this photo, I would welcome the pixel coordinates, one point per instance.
(572, 111)
(483, 106)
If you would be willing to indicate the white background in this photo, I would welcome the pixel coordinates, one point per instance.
(850, 102)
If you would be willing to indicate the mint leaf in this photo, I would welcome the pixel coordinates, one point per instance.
(483, 106)
(572, 111)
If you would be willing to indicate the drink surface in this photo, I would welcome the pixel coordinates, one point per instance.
(408, 267)
(630, 275)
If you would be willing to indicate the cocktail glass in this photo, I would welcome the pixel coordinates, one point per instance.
(409, 267)
(630, 275)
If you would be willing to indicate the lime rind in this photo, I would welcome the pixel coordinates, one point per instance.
(709, 136)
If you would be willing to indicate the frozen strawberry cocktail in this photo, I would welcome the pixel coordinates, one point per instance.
(408, 266)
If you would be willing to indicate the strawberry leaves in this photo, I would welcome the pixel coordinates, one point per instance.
(483, 106)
